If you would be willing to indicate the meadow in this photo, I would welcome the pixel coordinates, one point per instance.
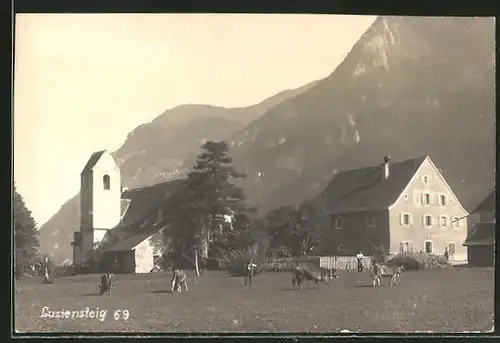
(440, 301)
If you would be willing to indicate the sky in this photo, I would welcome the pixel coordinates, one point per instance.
(82, 82)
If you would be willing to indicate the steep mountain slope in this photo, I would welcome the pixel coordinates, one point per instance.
(409, 87)
(159, 151)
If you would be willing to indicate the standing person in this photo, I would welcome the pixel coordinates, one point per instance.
(446, 254)
(360, 258)
(250, 270)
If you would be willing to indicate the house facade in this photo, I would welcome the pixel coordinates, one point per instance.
(403, 206)
(480, 242)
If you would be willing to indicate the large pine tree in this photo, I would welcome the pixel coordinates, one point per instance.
(211, 194)
(26, 234)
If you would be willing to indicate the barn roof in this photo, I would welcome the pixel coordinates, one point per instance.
(96, 156)
(139, 214)
(141, 201)
(363, 189)
(488, 203)
(130, 242)
(482, 234)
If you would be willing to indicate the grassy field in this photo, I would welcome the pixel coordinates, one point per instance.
(441, 301)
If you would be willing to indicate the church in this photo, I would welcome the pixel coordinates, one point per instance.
(127, 223)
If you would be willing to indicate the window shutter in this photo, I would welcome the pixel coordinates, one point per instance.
(422, 198)
(417, 198)
(423, 220)
(401, 219)
(411, 219)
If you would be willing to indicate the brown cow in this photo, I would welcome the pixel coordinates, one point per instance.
(300, 275)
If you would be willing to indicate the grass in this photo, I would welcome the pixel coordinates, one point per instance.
(440, 301)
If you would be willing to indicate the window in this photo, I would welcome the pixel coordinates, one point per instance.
(428, 247)
(370, 221)
(338, 223)
(427, 220)
(443, 221)
(425, 179)
(442, 200)
(106, 182)
(426, 198)
(406, 219)
(455, 222)
(405, 196)
(341, 248)
(159, 217)
(451, 248)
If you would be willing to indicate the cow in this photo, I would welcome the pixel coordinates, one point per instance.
(300, 274)
(379, 271)
(105, 286)
(179, 278)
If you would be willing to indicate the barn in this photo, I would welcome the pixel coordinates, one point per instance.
(480, 242)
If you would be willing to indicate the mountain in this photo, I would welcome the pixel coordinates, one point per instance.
(161, 150)
(409, 87)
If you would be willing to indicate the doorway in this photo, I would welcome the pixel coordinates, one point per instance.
(428, 247)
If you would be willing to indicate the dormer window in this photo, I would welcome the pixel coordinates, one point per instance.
(106, 182)
(370, 221)
(159, 217)
(338, 223)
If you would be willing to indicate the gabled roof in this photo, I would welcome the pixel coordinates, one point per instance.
(96, 156)
(139, 214)
(482, 234)
(130, 242)
(364, 189)
(146, 199)
(487, 205)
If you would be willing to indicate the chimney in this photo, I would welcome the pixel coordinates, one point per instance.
(124, 188)
(385, 167)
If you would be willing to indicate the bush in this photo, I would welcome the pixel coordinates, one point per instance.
(63, 270)
(235, 262)
(418, 261)
(378, 254)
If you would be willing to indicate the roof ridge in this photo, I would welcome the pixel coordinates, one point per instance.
(153, 185)
(422, 157)
(92, 161)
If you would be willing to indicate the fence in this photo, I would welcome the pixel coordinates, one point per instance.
(328, 262)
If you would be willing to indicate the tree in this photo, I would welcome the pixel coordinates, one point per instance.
(305, 234)
(210, 195)
(279, 224)
(26, 234)
(296, 230)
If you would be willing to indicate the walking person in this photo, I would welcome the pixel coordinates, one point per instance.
(360, 258)
(250, 271)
